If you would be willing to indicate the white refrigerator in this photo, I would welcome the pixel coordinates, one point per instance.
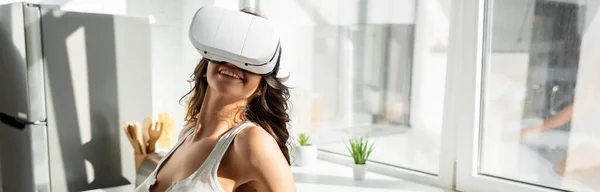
(68, 80)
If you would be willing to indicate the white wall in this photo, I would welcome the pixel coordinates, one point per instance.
(118, 7)
(168, 74)
(132, 106)
(391, 11)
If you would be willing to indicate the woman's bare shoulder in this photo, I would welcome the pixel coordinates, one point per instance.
(255, 139)
(256, 146)
(266, 164)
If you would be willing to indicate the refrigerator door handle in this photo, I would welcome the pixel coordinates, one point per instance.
(18, 123)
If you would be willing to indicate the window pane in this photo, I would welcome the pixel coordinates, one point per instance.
(540, 93)
(383, 76)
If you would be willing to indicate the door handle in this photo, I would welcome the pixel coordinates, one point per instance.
(553, 93)
(12, 121)
(18, 123)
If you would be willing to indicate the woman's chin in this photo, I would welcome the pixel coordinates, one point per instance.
(229, 92)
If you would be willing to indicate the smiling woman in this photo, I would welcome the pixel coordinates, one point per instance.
(236, 135)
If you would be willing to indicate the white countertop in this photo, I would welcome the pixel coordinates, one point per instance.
(326, 176)
(124, 188)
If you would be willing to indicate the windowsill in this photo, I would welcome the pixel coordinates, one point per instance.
(123, 188)
(417, 148)
(328, 176)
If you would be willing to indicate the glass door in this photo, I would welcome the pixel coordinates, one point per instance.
(527, 101)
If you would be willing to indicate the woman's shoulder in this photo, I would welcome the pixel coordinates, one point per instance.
(254, 137)
(256, 144)
(263, 161)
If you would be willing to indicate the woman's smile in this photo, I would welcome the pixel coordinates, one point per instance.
(231, 72)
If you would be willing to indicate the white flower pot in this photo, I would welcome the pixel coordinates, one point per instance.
(360, 171)
(305, 155)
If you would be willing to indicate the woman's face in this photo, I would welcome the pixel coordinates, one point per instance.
(230, 81)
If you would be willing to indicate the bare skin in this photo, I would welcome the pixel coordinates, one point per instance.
(563, 117)
(254, 158)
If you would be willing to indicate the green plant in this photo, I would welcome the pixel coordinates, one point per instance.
(359, 149)
(303, 139)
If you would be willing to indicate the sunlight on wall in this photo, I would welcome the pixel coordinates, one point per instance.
(77, 54)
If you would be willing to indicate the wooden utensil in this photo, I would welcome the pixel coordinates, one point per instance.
(135, 143)
(130, 134)
(139, 138)
(146, 126)
(126, 129)
(154, 136)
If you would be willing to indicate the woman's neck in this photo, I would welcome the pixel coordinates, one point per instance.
(218, 114)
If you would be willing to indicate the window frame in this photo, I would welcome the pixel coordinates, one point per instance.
(465, 89)
(460, 141)
(445, 178)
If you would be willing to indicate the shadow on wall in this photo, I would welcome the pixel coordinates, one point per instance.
(103, 150)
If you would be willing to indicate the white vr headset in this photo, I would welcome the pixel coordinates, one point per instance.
(247, 41)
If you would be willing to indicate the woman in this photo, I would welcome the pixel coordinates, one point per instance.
(236, 138)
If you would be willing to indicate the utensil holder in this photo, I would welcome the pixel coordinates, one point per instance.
(138, 160)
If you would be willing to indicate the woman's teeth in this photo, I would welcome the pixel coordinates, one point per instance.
(229, 73)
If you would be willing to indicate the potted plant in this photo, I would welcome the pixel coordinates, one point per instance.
(360, 150)
(305, 152)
